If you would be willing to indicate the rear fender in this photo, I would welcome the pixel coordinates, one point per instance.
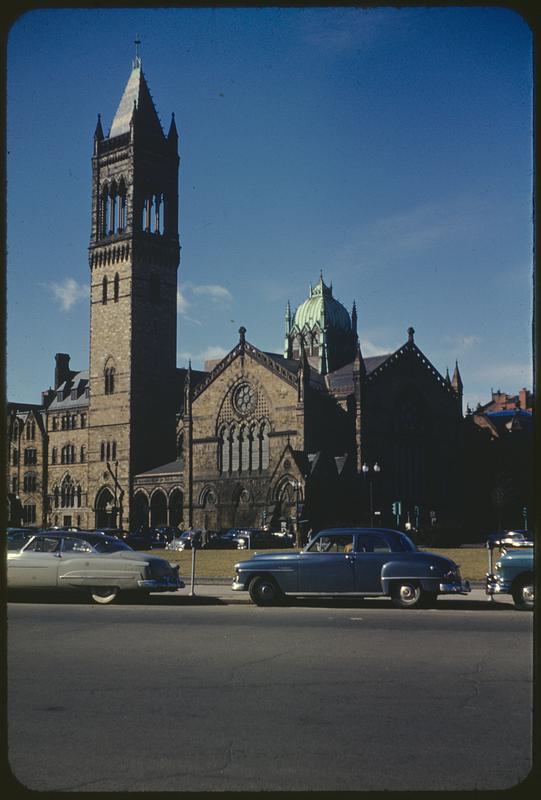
(409, 570)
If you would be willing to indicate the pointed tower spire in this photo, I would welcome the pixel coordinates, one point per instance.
(354, 319)
(98, 133)
(172, 136)
(456, 381)
(447, 378)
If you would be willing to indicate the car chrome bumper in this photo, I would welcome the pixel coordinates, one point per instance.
(456, 587)
(494, 586)
(237, 586)
(161, 585)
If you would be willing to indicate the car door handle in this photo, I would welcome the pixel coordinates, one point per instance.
(350, 557)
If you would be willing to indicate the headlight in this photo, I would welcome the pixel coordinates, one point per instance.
(498, 565)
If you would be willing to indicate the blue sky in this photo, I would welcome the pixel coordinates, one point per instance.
(389, 148)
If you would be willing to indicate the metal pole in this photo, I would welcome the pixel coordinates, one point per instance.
(192, 592)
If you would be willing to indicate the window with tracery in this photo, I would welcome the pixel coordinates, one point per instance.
(243, 449)
(109, 380)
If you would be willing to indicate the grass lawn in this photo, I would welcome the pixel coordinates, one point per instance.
(220, 563)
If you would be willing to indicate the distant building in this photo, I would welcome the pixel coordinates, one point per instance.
(498, 469)
(257, 437)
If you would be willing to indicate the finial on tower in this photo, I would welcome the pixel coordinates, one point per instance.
(411, 331)
(137, 59)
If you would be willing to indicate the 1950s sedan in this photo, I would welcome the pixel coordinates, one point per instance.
(352, 562)
(102, 564)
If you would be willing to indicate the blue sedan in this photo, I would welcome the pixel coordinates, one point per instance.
(351, 562)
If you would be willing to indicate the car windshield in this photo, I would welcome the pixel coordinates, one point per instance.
(110, 545)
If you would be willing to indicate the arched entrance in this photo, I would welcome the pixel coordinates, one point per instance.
(105, 509)
(176, 501)
(158, 509)
(140, 511)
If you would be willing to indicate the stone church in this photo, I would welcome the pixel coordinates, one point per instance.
(316, 434)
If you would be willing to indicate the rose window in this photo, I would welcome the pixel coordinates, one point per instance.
(244, 399)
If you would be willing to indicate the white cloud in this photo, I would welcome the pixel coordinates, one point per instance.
(216, 292)
(198, 359)
(371, 349)
(341, 29)
(68, 292)
(182, 303)
(462, 343)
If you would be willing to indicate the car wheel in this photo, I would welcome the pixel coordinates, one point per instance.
(104, 594)
(264, 591)
(523, 594)
(407, 594)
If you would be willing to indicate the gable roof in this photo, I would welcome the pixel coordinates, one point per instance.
(284, 368)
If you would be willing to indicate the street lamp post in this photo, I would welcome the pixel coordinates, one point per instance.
(297, 487)
(367, 472)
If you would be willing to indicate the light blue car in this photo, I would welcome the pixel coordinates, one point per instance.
(512, 573)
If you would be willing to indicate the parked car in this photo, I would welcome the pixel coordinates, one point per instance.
(513, 571)
(225, 540)
(102, 564)
(168, 533)
(254, 538)
(185, 540)
(514, 538)
(16, 537)
(146, 539)
(359, 562)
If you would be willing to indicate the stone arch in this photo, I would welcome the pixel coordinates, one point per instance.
(140, 514)
(104, 508)
(176, 503)
(158, 508)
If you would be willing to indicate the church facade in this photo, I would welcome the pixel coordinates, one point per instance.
(316, 434)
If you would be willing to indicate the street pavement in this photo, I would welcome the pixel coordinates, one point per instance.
(211, 693)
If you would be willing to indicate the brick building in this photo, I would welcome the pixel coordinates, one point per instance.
(256, 437)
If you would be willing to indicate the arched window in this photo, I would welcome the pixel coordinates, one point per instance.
(180, 445)
(113, 451)
(102, 452)
(234, 445)
(109, 380)
(221, 454)
(104, 290)
(82, 454)
(116, 288)
(54, 455)
(244, 449)
(78, 497)
(264, 446)
(105, 211)
(56, 497)
(108, 451)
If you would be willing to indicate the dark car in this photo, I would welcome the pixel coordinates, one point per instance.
(167, 532)
(514, 538)
(186, 539)
(257, 539)
(146, 539)
(352, 562)
(224, 540)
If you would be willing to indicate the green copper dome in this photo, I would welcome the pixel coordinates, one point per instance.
(322, 309)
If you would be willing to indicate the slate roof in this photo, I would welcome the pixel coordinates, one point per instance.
(136, 93)
(171, 468)
(78, 381)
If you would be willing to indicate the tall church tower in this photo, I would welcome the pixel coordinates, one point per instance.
(134, 256)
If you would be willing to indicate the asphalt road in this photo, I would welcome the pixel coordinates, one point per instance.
(172, 695)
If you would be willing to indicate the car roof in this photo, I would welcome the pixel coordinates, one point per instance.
(360, 530)
(88, 535)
